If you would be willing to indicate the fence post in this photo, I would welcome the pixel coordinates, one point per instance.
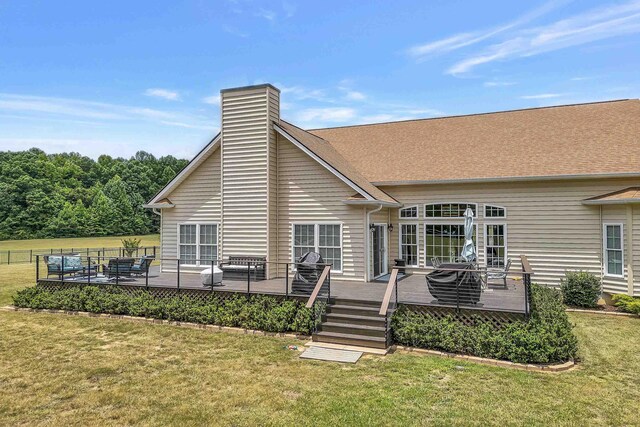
(154, 251)
(248, 277)
(31, 256)
(37, 269)
(8, 257)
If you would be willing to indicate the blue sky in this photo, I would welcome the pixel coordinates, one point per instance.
(116, 77)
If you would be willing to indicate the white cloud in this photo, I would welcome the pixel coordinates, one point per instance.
(163, 93)
(354, 95)
(542, 96)
(497, 83)
(303, 93)
(267, 14)
(212, 100)
(235, 31)
(595, 24)
(460, 40)
(329, 114)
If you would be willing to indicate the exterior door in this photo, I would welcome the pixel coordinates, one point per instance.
(379, 249)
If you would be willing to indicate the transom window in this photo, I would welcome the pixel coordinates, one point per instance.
(409, 212)
(496, 245)
(444, 241)
(197, 243)
(409, 244)
(326, 239)
(491, 211)
(613, 250)
(448, 210)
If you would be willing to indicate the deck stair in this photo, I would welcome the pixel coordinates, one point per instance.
(353, 322)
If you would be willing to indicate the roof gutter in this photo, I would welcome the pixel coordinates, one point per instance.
(372, 203)
(509, 179)
(610, 202)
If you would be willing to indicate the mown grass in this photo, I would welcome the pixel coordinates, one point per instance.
(80, 242)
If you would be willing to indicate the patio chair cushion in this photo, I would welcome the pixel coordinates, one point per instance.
(71, 262)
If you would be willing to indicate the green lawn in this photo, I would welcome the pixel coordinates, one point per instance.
(80, 242)
(63, 370)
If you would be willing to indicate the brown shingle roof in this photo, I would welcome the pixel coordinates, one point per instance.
(628, 195)
(326, 152)
(584, 139)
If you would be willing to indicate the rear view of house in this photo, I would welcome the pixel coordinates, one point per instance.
(559, 184)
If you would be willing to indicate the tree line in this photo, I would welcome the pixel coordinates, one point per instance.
(69, 195)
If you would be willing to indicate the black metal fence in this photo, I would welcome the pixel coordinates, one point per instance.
(27, 256)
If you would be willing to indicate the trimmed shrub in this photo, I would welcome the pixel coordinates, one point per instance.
(580, 289)
(546, 338)
(251, 312)
(627, 303)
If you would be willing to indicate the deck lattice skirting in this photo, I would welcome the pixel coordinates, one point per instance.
(469, 317)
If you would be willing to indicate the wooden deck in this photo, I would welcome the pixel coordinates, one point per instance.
(412, 289)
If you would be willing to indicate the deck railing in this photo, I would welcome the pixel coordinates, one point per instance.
(28, 256)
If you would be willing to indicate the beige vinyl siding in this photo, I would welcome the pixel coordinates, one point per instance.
(245, 140)
(546, 221)
(196, 199)
(308, 193)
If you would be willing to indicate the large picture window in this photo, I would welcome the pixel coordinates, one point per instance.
(613, 250)
(326, 239)
(197, 243)
(409, 244)
(449, 210)
(444, 241)
(496, 244)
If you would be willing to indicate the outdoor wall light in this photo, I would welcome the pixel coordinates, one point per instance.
(390, 227)
(372, 227)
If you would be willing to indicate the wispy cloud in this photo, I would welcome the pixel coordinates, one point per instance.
(595, 24)
(267, 14)
(497, 83)
(212, 100)
(167, 94)
(580, 78)
(303, 93)
(326, 115)
(235, 31)
(542, 96)
(29, 106)
(461, 40)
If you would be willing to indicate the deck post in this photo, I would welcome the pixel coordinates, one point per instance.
(37, 268)
(88, 269)
(178, 276)
(248, 278)
(396, 286)
(146, 277)
(62, 268)
(286, 281)
(212, 265)
(458, 291)
(329, 286)
(117, 271)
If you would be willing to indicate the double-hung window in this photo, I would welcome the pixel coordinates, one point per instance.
(326, 239)
(496, 244)
(197, 243)
(409, 244)
(613, 250)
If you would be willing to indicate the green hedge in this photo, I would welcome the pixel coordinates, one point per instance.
(580, 289)
(252, 312)
(546, 338)
(627, 304)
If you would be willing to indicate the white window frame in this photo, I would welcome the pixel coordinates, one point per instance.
(506, 245)
(605, 255)
(316, 240)
(417, 217)
(489, 205)
(448, 218)
(417, 225)
(198, 224)
(424, 230)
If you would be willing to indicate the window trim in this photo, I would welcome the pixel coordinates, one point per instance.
(198, 224)
(458, 222)
(448, 218)
(491, 218)
(605, 250)
(417, 225)
(316, 240)
(417, 217)
(506, 242)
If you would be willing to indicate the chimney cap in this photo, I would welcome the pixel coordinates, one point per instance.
(260, 86)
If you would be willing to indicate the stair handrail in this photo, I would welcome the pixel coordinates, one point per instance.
(393, 283)
(316, 289)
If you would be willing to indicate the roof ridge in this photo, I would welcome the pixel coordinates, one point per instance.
(468, 115)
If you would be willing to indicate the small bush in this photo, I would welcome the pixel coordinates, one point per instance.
(546, 338)
(254, 312)
(627, 303)
(580, 289)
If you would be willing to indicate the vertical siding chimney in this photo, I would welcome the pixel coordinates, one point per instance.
(248, 170)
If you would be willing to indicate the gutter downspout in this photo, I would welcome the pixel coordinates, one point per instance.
(367, 239)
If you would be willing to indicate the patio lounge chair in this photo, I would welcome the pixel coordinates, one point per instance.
(119, 267)
(141, 266)
(435, 262)
(63, 264)
(499, 274)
